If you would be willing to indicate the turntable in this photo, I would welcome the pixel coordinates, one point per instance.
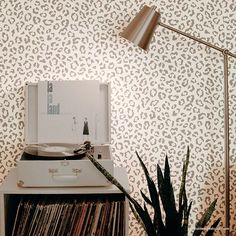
(52, 157)
(54, 151)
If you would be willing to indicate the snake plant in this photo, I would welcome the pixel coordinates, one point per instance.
(175, 220)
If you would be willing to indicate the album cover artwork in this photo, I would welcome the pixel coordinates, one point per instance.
(67, 111)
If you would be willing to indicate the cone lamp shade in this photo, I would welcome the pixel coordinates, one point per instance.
(142, 27)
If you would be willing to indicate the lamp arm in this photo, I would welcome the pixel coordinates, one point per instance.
(222, 50)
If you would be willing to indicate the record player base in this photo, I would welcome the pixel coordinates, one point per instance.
(60, 173)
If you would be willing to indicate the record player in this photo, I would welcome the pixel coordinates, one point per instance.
(61, 118)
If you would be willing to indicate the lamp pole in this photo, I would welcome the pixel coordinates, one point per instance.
(226, 144)
(225, 53)
(140, 31)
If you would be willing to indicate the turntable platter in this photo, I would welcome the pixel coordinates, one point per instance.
(53, 151)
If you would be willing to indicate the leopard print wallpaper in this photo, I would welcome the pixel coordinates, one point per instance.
(162, 100)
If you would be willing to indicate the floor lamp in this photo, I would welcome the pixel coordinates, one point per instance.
(140, 32)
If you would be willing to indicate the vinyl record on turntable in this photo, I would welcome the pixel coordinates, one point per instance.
(57, 151)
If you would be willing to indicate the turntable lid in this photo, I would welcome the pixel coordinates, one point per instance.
(56, 133)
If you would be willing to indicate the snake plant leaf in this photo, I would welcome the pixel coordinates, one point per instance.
(184, 175)
(180, 216)
(168, 186)
(109, 177)
(145, 209)
(168, 201)
(186, 221)
(204, 219)
(183, 202)
(213, 227)
(137, 217)
(155, 220)
(157, 230)
(184, 209)
(158, 222)
(183, 213)
(186, 214)
(146, 219)
(146, 199)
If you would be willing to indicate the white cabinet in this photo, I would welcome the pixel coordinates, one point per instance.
(10, 195)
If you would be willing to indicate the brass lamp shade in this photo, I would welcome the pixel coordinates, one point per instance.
(142, 27)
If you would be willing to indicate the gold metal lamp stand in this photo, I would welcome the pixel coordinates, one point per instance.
(140, 32)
